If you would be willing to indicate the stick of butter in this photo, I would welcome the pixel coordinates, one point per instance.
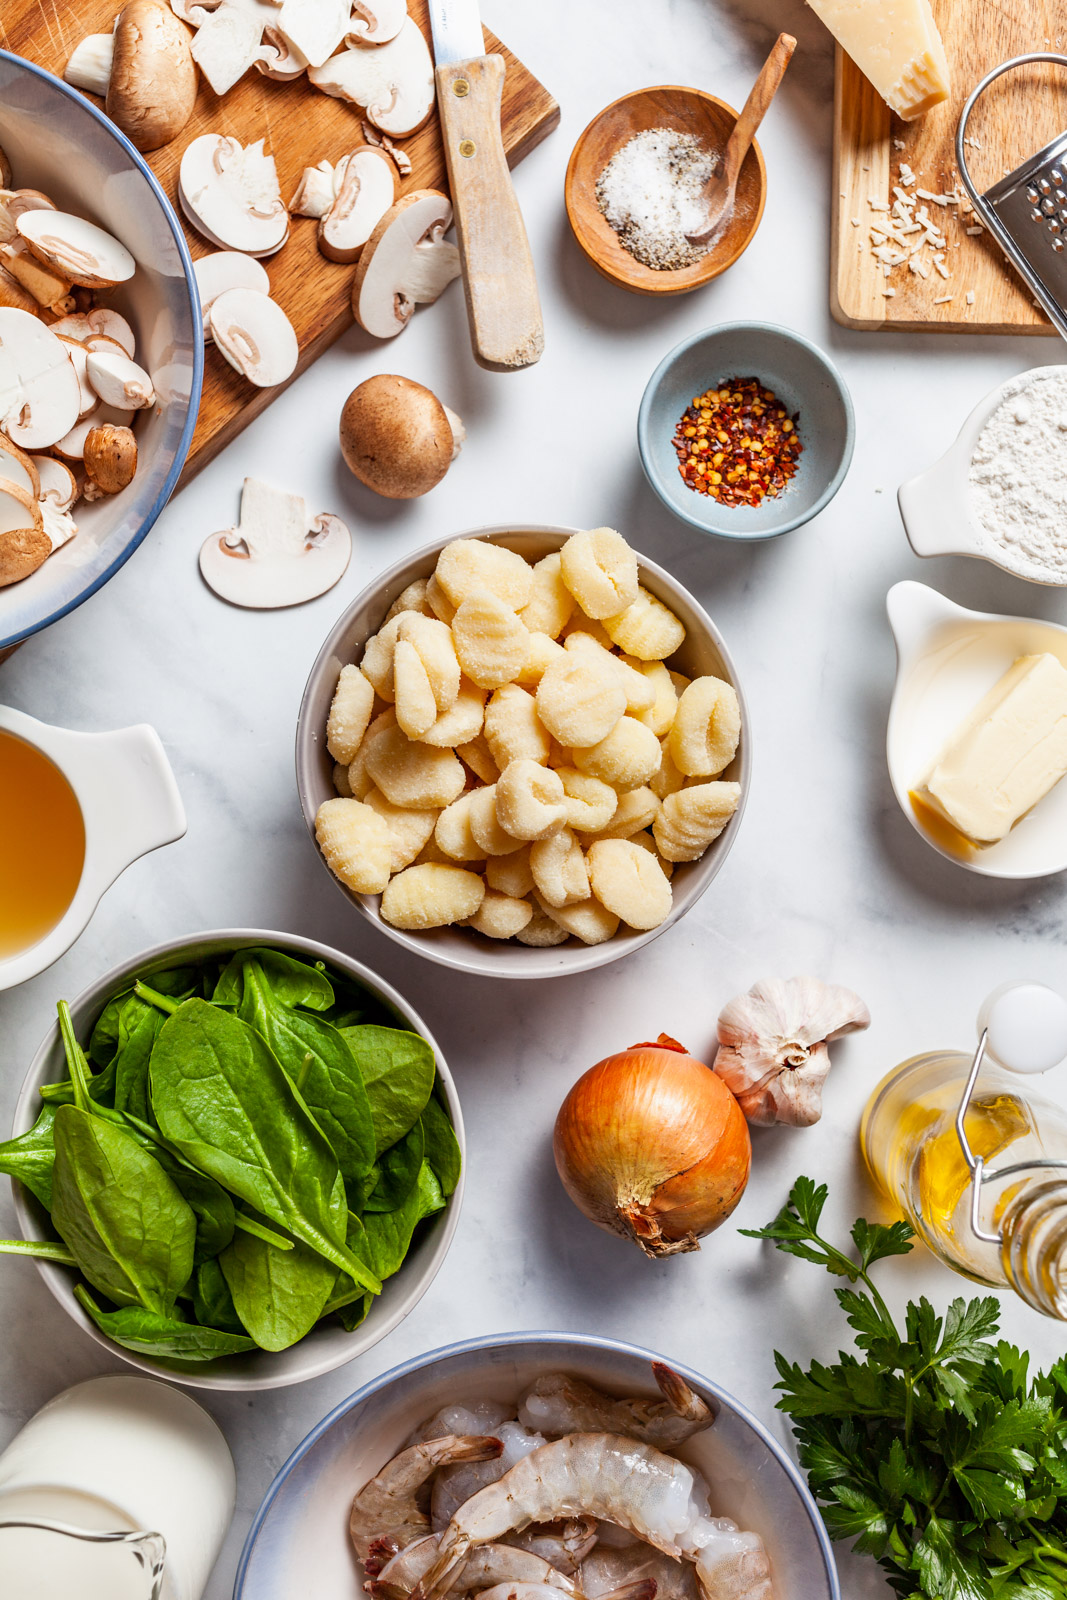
(895, 43)
(1007, 755)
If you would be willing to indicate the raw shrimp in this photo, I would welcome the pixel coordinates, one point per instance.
(609, 1568)
(659, 1499)
(643, 1590)
(475, 1416)
(558, 1404)
(454, 1486)
(487, 1566)
(385, 1511)
(564, 1545)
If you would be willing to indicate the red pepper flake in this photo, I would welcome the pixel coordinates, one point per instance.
(737, 443)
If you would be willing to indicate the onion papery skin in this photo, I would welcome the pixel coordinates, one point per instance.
(651, 1144)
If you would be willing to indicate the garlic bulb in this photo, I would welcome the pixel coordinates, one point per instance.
(773, 1046)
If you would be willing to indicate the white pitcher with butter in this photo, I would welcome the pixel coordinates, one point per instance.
(121, 1488)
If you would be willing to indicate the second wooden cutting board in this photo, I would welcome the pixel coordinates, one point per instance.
(982, 293)
(301, 126)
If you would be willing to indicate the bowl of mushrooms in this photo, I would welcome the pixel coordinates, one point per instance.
(101, 354)
(523, 752)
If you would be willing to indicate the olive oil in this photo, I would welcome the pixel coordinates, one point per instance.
(42, 845)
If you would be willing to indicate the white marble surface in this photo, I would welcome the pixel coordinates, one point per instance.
(826, 875)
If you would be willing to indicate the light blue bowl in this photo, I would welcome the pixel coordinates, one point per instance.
(302, 1526)
(805, 382)
(58, 142)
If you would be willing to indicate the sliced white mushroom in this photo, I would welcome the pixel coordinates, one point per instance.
(226, 269)
(374, 136)
(48, 288)
(13, 202)
(72, 445)
(392, 82)
(406, 262)
(79, 357)
(229, 36)
(20, 469)
(119, 381)
(84, 253)
(256, 337)
(278, 59)
(151, 90)
(229, 191)
(377, 21)
(365, 193)
(89, 67)
(277, 555)
(316, 191)
(59, 525)
(57, 485)
(84, 326)
(39, 395)
(314, 28)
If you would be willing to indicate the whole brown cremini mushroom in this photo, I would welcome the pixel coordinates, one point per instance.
(397, 437)
(110, 458)
(152, 87)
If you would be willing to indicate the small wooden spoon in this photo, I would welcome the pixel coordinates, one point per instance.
(721, 186)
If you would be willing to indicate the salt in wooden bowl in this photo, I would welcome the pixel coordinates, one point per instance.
(684, 111)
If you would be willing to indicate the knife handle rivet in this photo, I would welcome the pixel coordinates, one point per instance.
(467, 147)
(461, 87)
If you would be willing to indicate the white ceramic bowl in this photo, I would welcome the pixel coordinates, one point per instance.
(703, 651)
(58, 142)
(301, 1527)
(326, 1347)
(936, 506)
(948, 658)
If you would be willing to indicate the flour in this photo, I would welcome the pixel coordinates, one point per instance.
(651, 193)
(1018, 476)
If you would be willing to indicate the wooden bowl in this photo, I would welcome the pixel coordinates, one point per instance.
(686, 111)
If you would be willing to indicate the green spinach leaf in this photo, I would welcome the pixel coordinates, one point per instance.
(30, 1157)
(398, 1171)
(212, 1300)
(293, 982)
(153, 1335)
(442, 1146)
(278, 1294)
(221, 1098)
(389, 1233)
(138, 1030)
(210, 1202)
(397, 1069)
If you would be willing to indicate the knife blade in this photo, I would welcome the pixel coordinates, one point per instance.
(503, 306)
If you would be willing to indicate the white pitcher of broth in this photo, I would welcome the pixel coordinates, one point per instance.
(76, 809)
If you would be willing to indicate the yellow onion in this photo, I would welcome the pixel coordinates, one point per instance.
(652, 1145)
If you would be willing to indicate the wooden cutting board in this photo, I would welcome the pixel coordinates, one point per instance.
(301, 126)
(1019, 114)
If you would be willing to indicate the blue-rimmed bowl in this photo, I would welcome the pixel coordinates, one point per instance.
(806, 383)
(302, 1525)
(59, 143)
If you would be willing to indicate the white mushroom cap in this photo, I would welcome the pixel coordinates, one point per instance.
(277, 555)
(82, 326)
(226, 269)
(366, 191)
(405, 262)
(230, 192)
(72, 444)
(81, 251)
(376, 21)
(255, 336)
(314, 28)
(152, 86)
(57, 485)
(39, 395)
(393, 82)
(119, 381)
(89, 67)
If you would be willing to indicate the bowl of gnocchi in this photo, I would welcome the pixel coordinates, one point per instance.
(523, 751)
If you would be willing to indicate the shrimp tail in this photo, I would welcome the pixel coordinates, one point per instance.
(476, 1447)
(439, 1579)
(680, 1397)
(381, 1551)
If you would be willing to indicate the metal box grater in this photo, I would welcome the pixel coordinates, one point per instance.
(1026, 212)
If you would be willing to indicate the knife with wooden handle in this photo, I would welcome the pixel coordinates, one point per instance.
(498, 272)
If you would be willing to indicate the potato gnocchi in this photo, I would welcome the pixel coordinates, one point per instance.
(513, 752)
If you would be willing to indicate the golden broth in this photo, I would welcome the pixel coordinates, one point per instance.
(42, 845)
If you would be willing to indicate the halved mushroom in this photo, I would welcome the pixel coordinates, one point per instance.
(46, 286)
(376, 21)
(39, 394)
(392, 82)
(119, 381)
(110, 459)
(230, 192)
(229, 36)
(79, 357)
(20, 469)
(57, 485)
(152, 86)
(72, 445)
(255, 336)
(84, 253)
(365, 191)
(406, 262)
(314, 28)
(24, 545)
(89, 67)
(101, 320)
(397, 437)
(226, 269)
(277, 555)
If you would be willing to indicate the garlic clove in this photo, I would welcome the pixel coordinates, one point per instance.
(773, 1046)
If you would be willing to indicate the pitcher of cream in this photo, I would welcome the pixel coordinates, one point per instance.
(76, 809)
(121, 1488)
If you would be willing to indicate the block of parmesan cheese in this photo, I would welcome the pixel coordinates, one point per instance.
(895, 43)
(1006, 755)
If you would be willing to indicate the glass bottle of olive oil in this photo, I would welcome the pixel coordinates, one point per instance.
(994, 1205)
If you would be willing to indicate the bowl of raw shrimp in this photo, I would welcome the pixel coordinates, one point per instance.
(538, 1466)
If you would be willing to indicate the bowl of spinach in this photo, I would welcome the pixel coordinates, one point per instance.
(238, 1159)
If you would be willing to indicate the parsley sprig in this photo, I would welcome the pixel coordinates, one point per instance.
(936, 1452)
